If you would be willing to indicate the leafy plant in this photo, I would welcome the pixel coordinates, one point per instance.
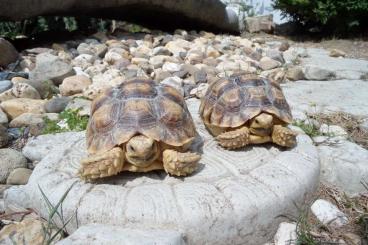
(71, 119)
(33, 26)
(336, 16)
(310, 129)
(51, 229)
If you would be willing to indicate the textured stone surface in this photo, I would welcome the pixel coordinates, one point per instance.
(197, 13)
(51, 67)
(286, 234)
(96, 234)
(319, 59)
(29, 231)
(19, 176)
(344, 165)
(8, 53)
(10, 160)
(234, 197)
(344, 95)
(16, 107)
(328, 214)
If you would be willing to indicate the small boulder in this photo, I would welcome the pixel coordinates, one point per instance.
(29, 231)
(286, 234)
(10, 160)
(74, 85)
(3, 117)
(171, 67)
(267, 63)
(260, 24)
(337, 53)
(19, 176)
(5, 85)
(328, 214)
(57, 105)
(4, 136)
(176, 83)
(8, 53)
(295, 73)
(83, 105)
(51, 67)
(20, 90)
(29, 119)
(16, 107)
(318, 73)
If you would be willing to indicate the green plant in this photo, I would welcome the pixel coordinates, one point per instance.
(73, 122)
(309, 128)
(51, 229)
(336, 16)
(34, 26)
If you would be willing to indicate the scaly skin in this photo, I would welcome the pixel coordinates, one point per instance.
(139, 154)
(283, 136)
(261, 130)
(102, 165)
(180, 164)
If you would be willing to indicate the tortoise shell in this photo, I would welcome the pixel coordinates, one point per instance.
(138, 106)
(233, 101)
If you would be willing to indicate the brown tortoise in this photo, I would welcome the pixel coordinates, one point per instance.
(139, 126)
(244, 110)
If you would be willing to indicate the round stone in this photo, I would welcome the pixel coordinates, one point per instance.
(226, 201)
(57, 105)
(19, 176)
(5, 85)
(10, 160)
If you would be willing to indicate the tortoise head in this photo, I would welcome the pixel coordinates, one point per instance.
(141, 151)
(262, 124)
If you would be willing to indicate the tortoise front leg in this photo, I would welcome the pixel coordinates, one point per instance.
(102, 165)
(180, 164)
(283, 136)
(234, 139)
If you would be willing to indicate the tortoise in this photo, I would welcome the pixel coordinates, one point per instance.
(242, 110)
(139, 126)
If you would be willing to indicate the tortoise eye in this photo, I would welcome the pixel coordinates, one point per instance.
(131, 148)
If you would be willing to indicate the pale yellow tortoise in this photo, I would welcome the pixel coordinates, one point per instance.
(244, 110)
(139, 126)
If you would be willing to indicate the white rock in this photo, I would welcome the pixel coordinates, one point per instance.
(328, 214)
(175, 82)
(200, 91)
(171, 67)
(333, 130)
(344, 165)
(38, 147)
(320, 73)
(212, 206)
(96, 234)
(286, 234)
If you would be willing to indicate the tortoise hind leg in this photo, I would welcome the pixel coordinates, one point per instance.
(234, 139)
(102, 165)
(180, 164)
(283, 136)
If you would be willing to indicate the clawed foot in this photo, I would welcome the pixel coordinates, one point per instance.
(103, 165)
(180, 164)
(283, 136)
(234, 139)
